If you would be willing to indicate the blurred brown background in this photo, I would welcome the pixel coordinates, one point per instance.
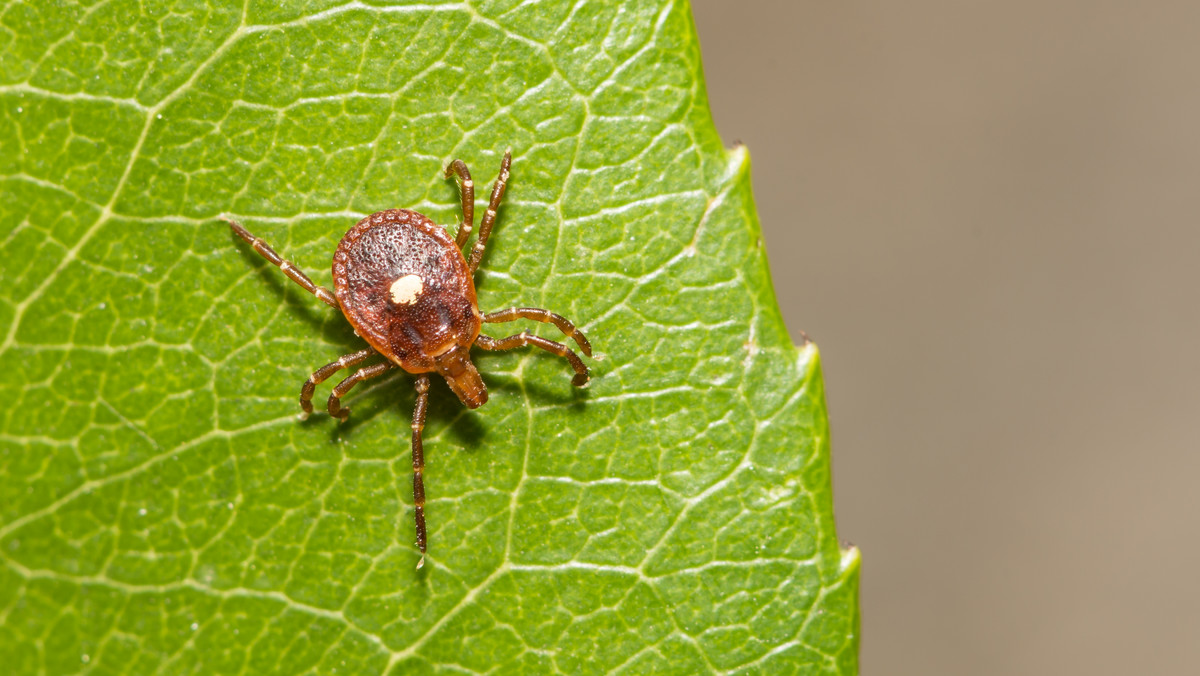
(987, 214)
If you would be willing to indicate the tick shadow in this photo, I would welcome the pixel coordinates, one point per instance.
(461, 424)
(396, 392)
(539, 394)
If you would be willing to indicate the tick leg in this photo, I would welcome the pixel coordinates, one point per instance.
(340, 390)
(525, 338)
(322, 374)
(489, 217)
(467, 192)
(540, 315)
(290, 270)
(418, 460)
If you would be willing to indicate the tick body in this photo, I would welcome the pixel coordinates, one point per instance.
(409, 291)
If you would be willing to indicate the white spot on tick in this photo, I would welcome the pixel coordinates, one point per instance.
(406, 289)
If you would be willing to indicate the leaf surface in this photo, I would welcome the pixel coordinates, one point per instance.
(161, 507)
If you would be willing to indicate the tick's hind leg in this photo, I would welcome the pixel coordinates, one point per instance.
(322, 374)
(418, 461)
(546, 316)
(290, 270)
(525, 338)
(489, 217)
(340, 390)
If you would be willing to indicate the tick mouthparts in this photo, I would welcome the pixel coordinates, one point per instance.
(462, 377)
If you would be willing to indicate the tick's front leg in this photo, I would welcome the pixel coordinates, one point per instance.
(294, 273)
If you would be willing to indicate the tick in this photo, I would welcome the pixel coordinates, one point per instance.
(408, 290)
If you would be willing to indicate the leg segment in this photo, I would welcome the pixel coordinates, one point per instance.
(418, 460)
(340, 390)
(540, 315)
(290, 270)
(322, 374)
(467, 191)
(525, 338)
(489, 217)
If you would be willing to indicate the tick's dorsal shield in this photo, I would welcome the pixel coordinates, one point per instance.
(406, 288)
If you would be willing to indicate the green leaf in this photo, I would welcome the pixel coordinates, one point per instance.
(162, 508)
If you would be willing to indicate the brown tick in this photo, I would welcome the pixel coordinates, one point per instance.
(407, 289)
